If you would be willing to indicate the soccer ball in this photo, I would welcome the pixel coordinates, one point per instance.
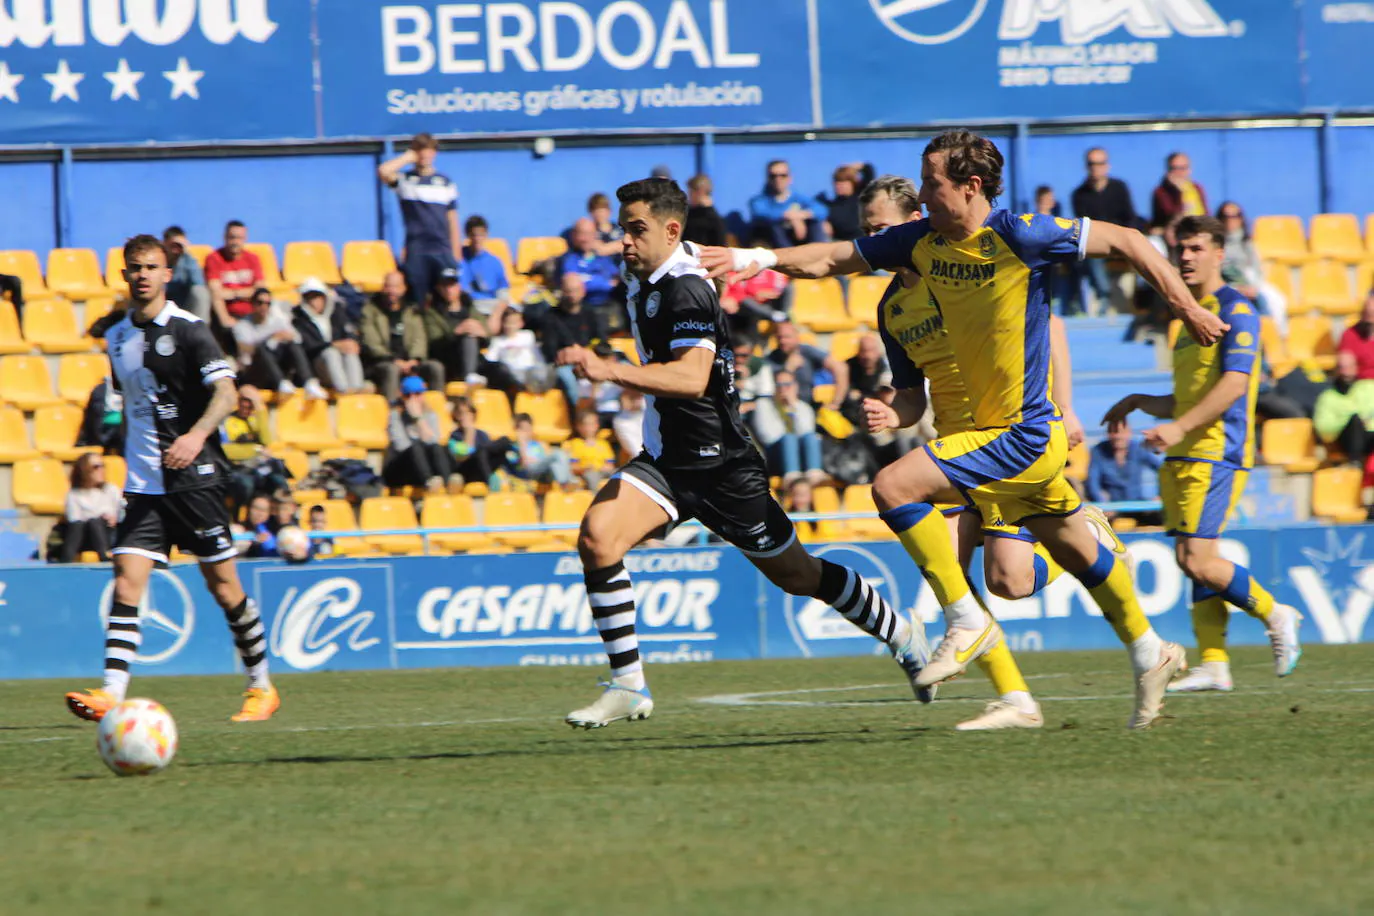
(293, 543)
(137, 737)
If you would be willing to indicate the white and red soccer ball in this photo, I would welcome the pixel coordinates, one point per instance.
(293, 544)
(137, 737)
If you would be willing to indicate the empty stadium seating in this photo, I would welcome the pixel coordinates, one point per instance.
(23, 264)
(1336, 494)
(1326, 288)
(549, 411)
(14, 436)
(513, 509)
(303, 423)
(560, 508)
(827, 500)
(116, 470)
(11, 338)
(1337, 236)
(75, 273)
(78, 374)
(297, 462)
(40, 485)
(864, 295)
(493, 411)
(1289, 444)
(1309, 339)
(271, 272)
(338, 516)
(1280, 238)
(303, 260)
(50, 325)
(366, 264)
(26, 383)
(55, 429)
(819, 305)
(362, 420)
(859, 498)
(114, 271)
(382, 512)
(439, 511)
(531, 251)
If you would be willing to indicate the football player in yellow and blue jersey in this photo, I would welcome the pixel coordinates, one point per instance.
(1209, 446)
(988, 271)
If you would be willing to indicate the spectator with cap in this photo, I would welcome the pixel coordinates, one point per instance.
(456, 332)
(599, 273)
(429, 209)
(187, 287)
(394, 340)
(705, 225)
(482, 275)
(329, 339)
(415, 454)
(270, 353)
(783, 215)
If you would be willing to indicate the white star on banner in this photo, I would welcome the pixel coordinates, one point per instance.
(64, 82)
(184, 79)
(8, 82)
(123, 81)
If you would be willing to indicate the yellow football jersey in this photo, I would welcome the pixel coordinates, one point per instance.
(913, 333)
(1229, 439)
(991, 292)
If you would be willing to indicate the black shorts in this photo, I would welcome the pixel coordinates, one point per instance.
(733, 500)
(197, 521)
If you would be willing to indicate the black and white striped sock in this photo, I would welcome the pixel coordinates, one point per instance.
(613, 608)
(122, 639)
(847, 592)
(251, 640)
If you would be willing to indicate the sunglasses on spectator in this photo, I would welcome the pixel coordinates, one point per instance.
(779, 174)
(1232, 214)
(96, 467)
(1179, 168)
(1097, 162)
(787, 384)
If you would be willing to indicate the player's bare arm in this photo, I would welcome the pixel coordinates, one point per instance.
(686, 375)
(1109, 240)
(907, 407)
(1228, 389)
(187, 446)
(1061, 367)
(819, 259)
(1156, 405)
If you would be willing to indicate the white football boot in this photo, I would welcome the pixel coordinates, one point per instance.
(1206, 676)
(1000, 714)
(1151, 685)
(1283, 638)
(615, 703)
(956, 650)
(913, 657)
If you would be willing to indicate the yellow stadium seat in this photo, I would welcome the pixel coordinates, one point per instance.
(824, 500)
(25, 382)
(114, 272)
(303, 260)
(75, 273)
(1309, 340)
(11, 340)
(822, 394)
(304, 423)
(1281, 276)
(116, 470)
(451, 512)
(1369, 235)
(94, 310)
(513, 509)
(381, 512)
(438, 402)
(1364, 280)
(366, 264)
(493, 412)
(40, 485)
(561, 507)
(864, 295)
(532, 250)
(362, 419)
(549, 411)
(1280, 238)
(50, 324)
(1076, 468)
(14, 436)
(307, 498)
(845, 344)
(200, 252)
(1289, 444)
(500, 249)
(819, 305)
(1326, 288)
(1336, 494)
(859, 498)
(23, 264)
(297, 462)
(627, 347)
(1337, 236)
(55, 429)
(271, 272)
(354, 452)
(77, 374)
(338, 516)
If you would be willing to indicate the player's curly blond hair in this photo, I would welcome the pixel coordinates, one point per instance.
(970, 155)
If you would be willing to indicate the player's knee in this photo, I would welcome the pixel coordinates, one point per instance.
(126, 591)
(1009, 585)
(1198, 568)
(598, 545)
(889, 490)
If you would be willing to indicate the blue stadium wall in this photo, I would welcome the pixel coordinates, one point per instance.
(695, 604)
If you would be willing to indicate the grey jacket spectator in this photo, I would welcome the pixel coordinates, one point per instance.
(329, 339)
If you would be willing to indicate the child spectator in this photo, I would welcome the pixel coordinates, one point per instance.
(516, 361)
(264, 543)
(532, 461)
(471, 449)
(801, 500)
(592, 456)
(320, 548)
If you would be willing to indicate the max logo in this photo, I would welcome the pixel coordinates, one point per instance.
(308, 628)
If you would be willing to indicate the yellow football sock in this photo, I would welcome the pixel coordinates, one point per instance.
(1001, 668)
(925, 535)
(1209, 625)
(1247, 594)
(1109, 582)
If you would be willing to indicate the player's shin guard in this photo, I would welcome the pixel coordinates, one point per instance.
(1046, 569)
(847, 592)
(1109, 582)
(1001, 668)
(1247, 594)
(122, 639)
(251, 640)
(925, 535)
(613, 609)
(1209, 623)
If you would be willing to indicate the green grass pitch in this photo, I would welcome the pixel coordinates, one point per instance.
(803, 787)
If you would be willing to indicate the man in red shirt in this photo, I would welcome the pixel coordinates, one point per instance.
(232, 273)
(1359, 338)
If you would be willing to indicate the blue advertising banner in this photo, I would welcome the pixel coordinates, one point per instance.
(919, 61)
(73, 71)
(1337, 37)
(399, 68)
(695, 604)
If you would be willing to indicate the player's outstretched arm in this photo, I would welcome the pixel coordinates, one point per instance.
(1108, 240)
(819, 259)
(1156, 405)
(686, 375)
(1230, 387)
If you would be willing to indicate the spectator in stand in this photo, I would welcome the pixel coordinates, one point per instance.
(516, 363)
(256, 523)
(628, 424)
(748, 303)
(754, 382)
(321, 548)
(570, 323)
(394, 341)
(1176, 196)
(429, 209)
(475, 454)
(285, 511)
(187, 287)
(329, 339)
(1102, 197)
(798, 451)
(1045, 202)
(270, 351)
(247, 444)
(608, 231)
(92, 510)
(868, 374)
(842, 203)
(455, 331)
(593, 459)
(233, 274)
(1344, 415)
(531, 461)
(102, 422)
(705, 226)
(1359, 338)
(783, 216)
(1243, 268)
(801, 499)
(415, 454)
(811, 366)
(13, 287)
(599, 273)
(483, 276)
(1118, 467)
